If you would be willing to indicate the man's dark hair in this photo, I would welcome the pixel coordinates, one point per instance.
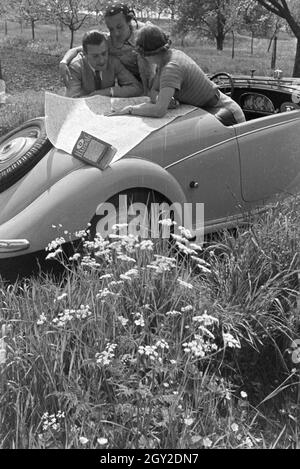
(92, 37)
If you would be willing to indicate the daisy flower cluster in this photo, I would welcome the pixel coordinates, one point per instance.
(68, 315)
(104, 358)
(53, 421)
(154, 352)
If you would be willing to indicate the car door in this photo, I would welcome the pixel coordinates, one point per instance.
(211, 174)
(269, 156)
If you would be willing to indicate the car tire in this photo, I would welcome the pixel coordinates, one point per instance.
(20, 150)
(137, 195)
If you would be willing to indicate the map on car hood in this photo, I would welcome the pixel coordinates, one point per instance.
(67, 118)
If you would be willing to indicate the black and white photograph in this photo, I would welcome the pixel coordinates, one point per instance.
(149, 228)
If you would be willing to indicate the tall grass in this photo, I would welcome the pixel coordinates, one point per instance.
(140, 347)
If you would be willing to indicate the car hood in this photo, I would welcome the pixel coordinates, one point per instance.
(182, 137)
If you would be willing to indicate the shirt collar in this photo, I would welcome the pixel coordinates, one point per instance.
(92, 68)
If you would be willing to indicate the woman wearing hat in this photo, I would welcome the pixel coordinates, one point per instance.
(179, 77)
(122, 24)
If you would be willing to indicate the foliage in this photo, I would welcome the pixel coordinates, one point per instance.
(216, 18)
(140, 346)
(289, 11)
(258, 20)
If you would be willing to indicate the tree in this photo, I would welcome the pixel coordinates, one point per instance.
(289, 11)
(260, 22)
(28, 10)
(71, 13)
(213, 17)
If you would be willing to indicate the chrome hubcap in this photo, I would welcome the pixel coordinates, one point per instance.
(13, 149)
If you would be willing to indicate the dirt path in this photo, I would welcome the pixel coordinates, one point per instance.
(23, 70)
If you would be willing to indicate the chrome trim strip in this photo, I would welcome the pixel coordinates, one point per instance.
(201, 151)
(236, 137)
(13, 245)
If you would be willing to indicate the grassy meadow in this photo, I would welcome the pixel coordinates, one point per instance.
(144, 345)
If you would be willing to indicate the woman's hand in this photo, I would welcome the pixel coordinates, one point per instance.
(121, 112)
(65, 73)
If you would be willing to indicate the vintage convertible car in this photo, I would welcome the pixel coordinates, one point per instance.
(231, 169)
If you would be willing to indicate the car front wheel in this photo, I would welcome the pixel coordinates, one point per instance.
(140, 209)
(20, 150)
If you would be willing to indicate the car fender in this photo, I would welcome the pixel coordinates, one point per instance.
(73, 200)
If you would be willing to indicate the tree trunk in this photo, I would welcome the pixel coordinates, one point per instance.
(5, 28)
(33, 29)
(274, 54)
(252, 42)
(56, 32)
(220, 41)
(1, 77)
(72, 38)
(233, 45)
(296, 71)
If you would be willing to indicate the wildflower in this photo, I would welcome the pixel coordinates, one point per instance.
(244, 395)
(56, 243)
(185, 249)
(166, 222)
(248, 442)
(105, 276)
(148, 350)
(123, 257)
(173, 313)
(87, 261)
(61, 297)
(185, 232)
(187, 308)
(162, 344)
(173, 362)
(80, 234)
(230, 341)
(105, 293)
(125, 277)
(185, 284)
(146, 245)
(102, 441)
(115, 283)
(195, 246)
(52, 422)
(52, 255)
(234, 427)
(42, 319)
(140, 320)
(207, 443)
(75, 257)
(199, 347)
(203, 269)
(83, 440)
(105, 357)
(206, 319)
(178, 238)
(188, 421)
(132, 272)
(123, 320)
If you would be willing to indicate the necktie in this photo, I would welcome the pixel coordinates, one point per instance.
(97, 80)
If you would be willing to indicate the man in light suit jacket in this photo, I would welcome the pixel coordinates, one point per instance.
(95, 72)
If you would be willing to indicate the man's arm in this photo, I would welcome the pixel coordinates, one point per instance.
(74, 88)
(64, 64)
(128, 85)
